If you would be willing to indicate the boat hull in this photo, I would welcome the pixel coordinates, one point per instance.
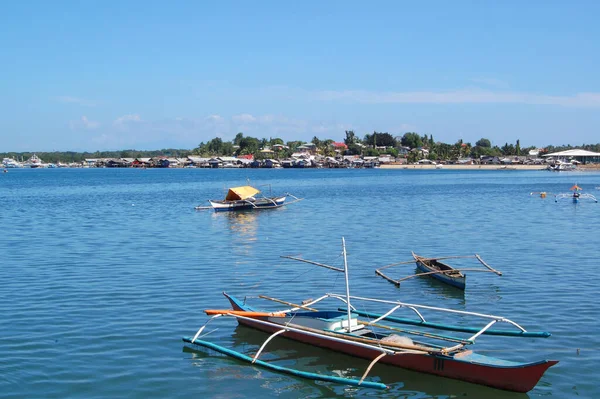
(455, 281)
(465, 366)
(261, 203)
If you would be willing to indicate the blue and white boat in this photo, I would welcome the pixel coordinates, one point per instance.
(440, 271)
(245, 198)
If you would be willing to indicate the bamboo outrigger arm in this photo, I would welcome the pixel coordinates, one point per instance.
(313, 263)
(440, 272)
(488, 266)
(276, 333)
(391, 280)
(287, 303)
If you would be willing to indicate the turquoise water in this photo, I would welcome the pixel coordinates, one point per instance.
(103, 271)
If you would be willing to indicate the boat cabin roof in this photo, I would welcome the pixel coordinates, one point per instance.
(241, 193)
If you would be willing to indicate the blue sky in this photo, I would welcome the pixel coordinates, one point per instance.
(108, 75)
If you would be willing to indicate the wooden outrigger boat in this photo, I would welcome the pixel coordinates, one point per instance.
(433, 267)
(440, 271)
(370, 335)
(244, 198)
(576, 196)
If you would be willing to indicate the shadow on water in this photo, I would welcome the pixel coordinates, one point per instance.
(401, 383)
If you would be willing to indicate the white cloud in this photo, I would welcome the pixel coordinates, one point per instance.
(473, 96)
(214, 118)
(83, 123)
(244, 118)
(125, 119)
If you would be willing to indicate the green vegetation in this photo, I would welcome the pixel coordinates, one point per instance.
(410, 145)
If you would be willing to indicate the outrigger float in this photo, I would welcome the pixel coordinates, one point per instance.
(433, 267)
(368, 335)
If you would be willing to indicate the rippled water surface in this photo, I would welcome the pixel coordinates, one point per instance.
(103, 271)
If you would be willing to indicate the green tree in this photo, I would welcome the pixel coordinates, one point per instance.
(483, 143)
(249, 146)
(412, 140)
(215, 146)
(354, 149)
(350, 138)
(380, 139)
(238, 138)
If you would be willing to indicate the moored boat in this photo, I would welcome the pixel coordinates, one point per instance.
(369, 335)
(440, 271)
(433, 267)
(247, 203)
(576, 196)
(245, 198)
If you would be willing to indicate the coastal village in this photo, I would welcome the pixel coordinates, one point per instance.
(308, 155)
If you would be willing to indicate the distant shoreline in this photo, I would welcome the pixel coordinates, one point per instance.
(480, 167)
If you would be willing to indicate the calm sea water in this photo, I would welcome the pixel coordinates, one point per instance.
(103, 271)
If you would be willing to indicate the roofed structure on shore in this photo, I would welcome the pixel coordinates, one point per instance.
(584, 155)
(573, 153)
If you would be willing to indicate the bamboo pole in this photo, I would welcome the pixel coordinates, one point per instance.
(391, 280)
(287, 303)
(395, 264)
(423, 258)
(488, 266)
(443, 271)
(446, 257)
(313, 263)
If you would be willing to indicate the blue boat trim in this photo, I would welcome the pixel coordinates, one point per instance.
(449, 327)
(285, 370)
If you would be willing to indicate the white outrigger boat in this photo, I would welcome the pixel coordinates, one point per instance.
(365, 334)
(245, 198)
(576, 196)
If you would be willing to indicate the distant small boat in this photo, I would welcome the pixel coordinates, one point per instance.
(11, 163)
(561, 166)
(576, 196)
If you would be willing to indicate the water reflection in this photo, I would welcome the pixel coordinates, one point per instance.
(243, 224)
(402, 383)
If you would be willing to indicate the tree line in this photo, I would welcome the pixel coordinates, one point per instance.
(372, 144)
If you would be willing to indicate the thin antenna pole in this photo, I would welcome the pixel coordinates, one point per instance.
(347, 284)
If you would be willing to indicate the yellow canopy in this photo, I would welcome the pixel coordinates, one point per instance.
(241, 193)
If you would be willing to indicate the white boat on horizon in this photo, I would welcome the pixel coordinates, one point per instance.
(562, 166)
(34, 162)
(11, 163)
